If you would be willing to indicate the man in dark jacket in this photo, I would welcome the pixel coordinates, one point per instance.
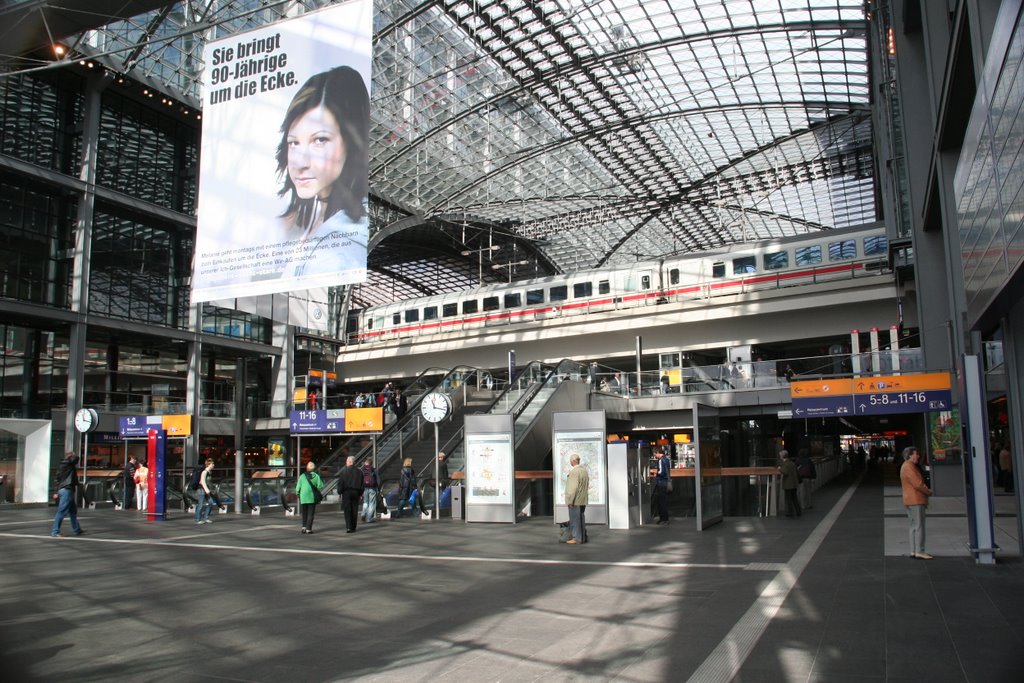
(350, 485)
(129, 482)
(67, 482)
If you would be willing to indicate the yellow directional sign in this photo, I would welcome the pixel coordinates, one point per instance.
(931, 381)
(826, 387)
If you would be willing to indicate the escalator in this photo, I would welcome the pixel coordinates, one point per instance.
(539, 391)
(426, 382)
(411, 436)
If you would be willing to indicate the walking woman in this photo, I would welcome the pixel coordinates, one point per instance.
(406, 485)
(306, 489)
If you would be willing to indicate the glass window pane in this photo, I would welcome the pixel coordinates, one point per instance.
(744, 265)
(842, 250)
(776, 260)
(469, 306)
(514, 300)
(449, 310)
(808, 256)
(582, 289)
(534, 296)
(491, 303)
(876, 246)
(430, 313)
(560, 293)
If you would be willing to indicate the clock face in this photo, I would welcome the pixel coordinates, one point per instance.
(85, 420)
(435, 407)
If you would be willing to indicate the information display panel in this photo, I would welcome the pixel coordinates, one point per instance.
(580, 432)
(489, 470)
(590, 446)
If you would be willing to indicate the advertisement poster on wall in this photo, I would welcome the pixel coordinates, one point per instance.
(283, 182)
(590, 446)
(489, 469)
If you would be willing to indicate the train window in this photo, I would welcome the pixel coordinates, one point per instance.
(430, 313)
(491, 303)
(776, 260)
(582, 289)
(645, 282)
(559, 293)
(840, 251)
(534, 296)
(718, 269)
(514, 300)
(369, 323)
(673, 276)
(379, 322)
(469, 306)
(412, 315)
(396, 319)
(604, 287)
(808, 256)
(449, 310)
(744, 265)
(876, 246)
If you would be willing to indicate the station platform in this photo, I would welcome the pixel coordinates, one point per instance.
(815, 598)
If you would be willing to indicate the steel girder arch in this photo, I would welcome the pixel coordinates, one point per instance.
(388, 272)
(525, 86)
(636, 121)
(701, 202)
(854, 116)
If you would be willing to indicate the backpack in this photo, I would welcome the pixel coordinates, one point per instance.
(195, 478)
(370, 479)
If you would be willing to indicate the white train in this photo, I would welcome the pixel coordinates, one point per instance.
(793, 261)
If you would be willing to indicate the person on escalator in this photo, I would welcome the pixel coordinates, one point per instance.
(350, 485)
(401, 404)
(304, 489)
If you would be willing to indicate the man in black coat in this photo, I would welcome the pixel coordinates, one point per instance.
(129, 482)
(350, 485)
(67, 482)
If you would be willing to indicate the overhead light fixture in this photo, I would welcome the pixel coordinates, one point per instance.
(59, 50)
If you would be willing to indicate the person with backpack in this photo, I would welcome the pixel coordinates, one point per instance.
(371, 484)
(308, 491)
(805, 468)
(204, 488)
(67, 483)
(350, 485)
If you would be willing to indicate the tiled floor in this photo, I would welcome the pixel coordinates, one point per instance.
(826, 597)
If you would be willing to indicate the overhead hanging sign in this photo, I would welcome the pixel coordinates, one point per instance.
(283, 182)
(139, 425)
(872, 395)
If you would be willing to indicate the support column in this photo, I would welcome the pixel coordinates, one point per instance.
(94, 87)
(283, 370)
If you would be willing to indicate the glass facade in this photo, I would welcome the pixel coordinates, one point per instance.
(35, 242)
(148, 154)
(989, 181)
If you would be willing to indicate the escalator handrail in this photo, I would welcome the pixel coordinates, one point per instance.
(330, 459)
(398, 426)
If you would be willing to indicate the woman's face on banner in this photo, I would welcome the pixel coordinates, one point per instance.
(316, 153)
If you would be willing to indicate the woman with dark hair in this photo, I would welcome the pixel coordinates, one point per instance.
(323, 161)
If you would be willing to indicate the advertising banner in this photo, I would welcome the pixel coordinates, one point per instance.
(284, 160)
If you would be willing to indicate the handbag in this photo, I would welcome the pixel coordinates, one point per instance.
(317, 496)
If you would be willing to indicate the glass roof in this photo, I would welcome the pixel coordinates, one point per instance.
(599, 131)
